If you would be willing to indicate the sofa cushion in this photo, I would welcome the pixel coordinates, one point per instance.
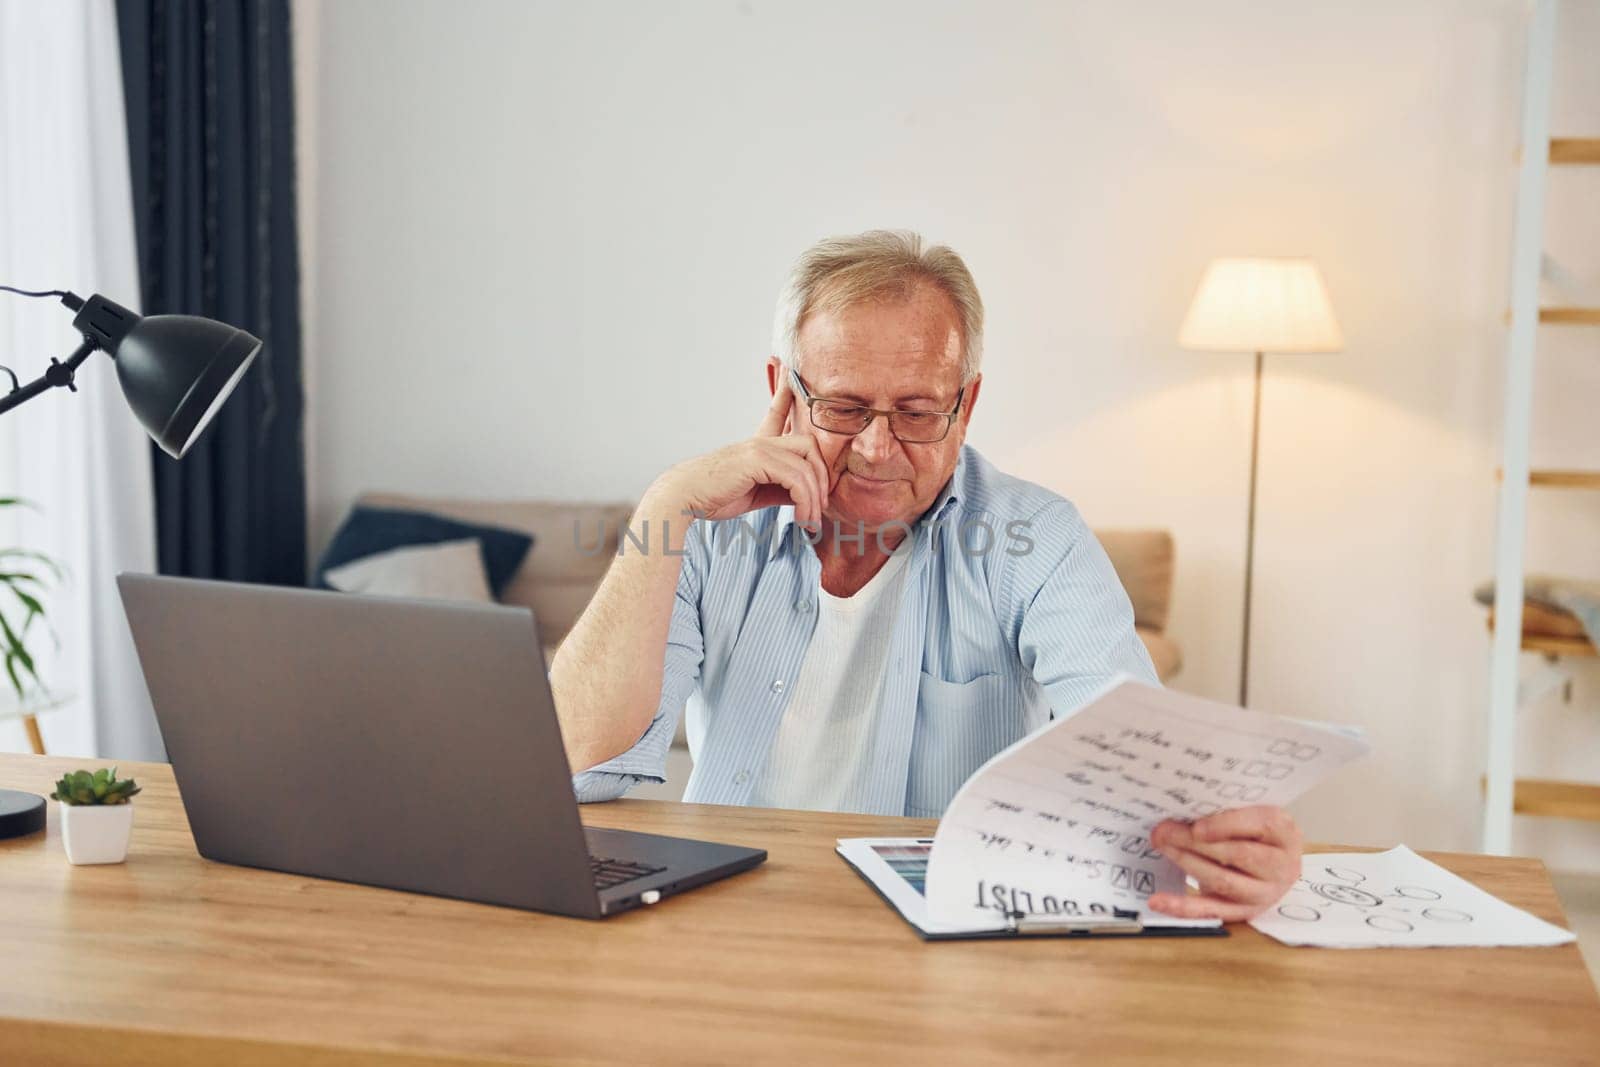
(368, 530)
(1144, 561)
(574, 543)
(449, 570)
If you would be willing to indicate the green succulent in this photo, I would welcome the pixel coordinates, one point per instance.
(97, 787)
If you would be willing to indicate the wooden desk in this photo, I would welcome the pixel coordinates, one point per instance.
(171, 959)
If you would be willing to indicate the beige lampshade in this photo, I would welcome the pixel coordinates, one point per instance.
(1261, 305)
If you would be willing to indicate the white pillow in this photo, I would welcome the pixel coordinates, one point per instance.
(449, 570)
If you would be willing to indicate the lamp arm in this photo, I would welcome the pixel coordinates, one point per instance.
(58, 373)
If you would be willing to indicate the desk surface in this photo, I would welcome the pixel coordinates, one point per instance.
(172, 959)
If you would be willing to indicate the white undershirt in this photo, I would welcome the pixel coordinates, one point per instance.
(821, 759)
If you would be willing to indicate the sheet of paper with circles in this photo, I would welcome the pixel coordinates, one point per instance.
(1396, 899)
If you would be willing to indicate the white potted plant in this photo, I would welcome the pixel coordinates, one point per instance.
(96, 818)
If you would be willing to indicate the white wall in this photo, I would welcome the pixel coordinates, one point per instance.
(545, 240)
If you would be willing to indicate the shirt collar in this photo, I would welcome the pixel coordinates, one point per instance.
(949, 497)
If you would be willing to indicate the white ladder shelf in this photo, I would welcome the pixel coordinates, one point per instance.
(1504, 795)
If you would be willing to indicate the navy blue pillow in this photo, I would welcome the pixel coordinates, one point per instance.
(366, 531)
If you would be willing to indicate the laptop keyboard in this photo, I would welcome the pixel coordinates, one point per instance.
(608, 873)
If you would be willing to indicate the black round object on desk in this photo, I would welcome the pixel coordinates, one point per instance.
(20, 813)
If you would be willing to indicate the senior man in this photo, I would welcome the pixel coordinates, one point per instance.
(863, 609)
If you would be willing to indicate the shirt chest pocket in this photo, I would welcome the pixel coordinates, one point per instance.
(959, 726)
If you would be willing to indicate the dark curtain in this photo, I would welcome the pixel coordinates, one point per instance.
(211, 145)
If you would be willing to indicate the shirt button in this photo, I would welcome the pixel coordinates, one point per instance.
(777, 685)
(741, 778)
(802, 605)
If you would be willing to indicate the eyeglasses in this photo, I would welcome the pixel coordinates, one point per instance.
(847, 417)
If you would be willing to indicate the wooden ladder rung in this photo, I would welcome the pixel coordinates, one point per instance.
(1550, 478)
(1554, 644)
(1558, 646)
(1565, 479)
(1560, 800)
(1570, 316)
(1557, 800)
(1575, 150)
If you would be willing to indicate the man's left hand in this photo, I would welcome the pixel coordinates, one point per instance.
(1245, 860)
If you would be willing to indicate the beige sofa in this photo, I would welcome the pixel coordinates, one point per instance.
(1144, 560)
(557, 578)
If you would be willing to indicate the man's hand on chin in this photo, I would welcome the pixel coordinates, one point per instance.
(1245, 860)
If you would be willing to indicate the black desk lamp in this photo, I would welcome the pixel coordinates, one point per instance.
(175, 370)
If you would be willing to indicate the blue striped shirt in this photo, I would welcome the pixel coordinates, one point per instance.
(1011, 612)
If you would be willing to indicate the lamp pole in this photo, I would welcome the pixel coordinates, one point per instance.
(1250, 537)
(1250, 305)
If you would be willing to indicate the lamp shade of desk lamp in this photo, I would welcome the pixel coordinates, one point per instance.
(176, 371)
(1260, 306)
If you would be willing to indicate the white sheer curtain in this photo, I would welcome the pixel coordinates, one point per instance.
(66, 222)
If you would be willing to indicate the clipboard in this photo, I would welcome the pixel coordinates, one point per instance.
(895, 866)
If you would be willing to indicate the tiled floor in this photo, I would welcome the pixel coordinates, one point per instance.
(1580, 897)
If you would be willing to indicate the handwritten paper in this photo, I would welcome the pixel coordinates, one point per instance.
(1058, 825)
(1395, 899)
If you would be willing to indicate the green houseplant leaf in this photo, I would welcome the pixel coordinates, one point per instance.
(20, 571)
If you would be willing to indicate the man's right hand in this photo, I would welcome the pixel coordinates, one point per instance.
(781, 464)
(608, 674)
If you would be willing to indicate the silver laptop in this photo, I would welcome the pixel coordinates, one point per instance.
(411, 744)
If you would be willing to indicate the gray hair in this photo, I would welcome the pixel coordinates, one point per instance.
(838, 272)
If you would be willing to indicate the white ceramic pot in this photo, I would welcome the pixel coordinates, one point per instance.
(96, 833)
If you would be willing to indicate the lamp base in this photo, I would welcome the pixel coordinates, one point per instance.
(20, 813)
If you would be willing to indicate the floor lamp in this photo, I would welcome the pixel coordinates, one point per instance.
(1259, 305)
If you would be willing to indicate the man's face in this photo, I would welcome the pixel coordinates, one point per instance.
(903, 354)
